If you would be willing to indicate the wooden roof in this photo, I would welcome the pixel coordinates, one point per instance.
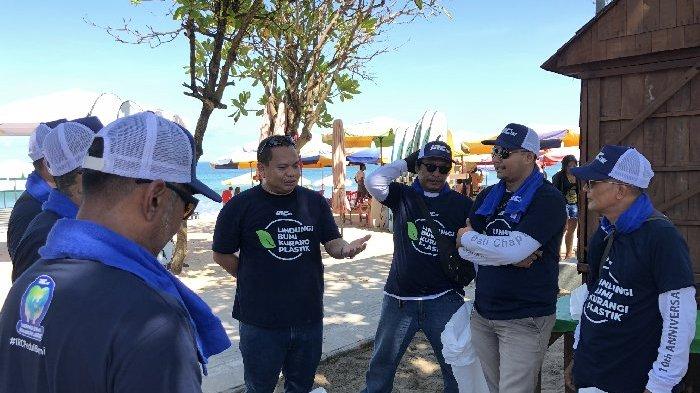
(629, 29)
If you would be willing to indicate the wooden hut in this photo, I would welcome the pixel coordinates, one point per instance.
(638, 62)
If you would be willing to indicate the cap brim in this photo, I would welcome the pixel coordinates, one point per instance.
(588, 172)
(201, 188)
(495, 142)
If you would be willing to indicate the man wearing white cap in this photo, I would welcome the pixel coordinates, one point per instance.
(97, 312)
(64, 147)
(638, 320)
(521, 218)
(39, 183)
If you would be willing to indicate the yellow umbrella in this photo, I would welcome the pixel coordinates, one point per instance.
(571, 139)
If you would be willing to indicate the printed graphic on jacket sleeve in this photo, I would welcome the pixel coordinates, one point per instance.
(34, 306)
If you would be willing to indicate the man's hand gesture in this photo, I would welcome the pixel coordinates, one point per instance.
(355, 247)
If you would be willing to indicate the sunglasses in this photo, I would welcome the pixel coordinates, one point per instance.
(190, 201)
(443, 169)
(504, 153)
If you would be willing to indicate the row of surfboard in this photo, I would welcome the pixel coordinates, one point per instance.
(431, 126)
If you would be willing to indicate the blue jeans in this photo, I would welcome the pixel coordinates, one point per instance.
(296, 351)
(399, 322)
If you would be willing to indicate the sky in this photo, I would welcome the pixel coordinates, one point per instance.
(481, 67)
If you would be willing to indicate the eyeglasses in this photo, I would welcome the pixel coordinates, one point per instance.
(590, 183)
(443, 169)
(190, 201)
(504, 153)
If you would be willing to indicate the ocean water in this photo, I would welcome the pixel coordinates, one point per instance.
(214, 178)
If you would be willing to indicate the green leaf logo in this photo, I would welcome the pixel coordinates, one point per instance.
(265, 239)
(412, 231)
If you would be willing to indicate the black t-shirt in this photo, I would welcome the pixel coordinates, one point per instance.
(567, 188)
(280, 272)
(81, 326)
(621, 323)
(510, 292)
(24, 211)
(27, 251)
(415, 268)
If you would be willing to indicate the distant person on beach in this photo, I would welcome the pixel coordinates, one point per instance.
(226, 195)
(638, 320)
(566, 183)
(362, 193)
(278, 227)
(514, 235)
(418, 295)
(477, 177)
(236, 191)
(98, 313)
(39, 185)
(65, 148)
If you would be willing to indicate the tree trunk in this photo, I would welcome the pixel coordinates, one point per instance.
(180, 252)
(180, 249)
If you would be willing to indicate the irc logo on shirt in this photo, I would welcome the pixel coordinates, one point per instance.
(286, 239)
(34, 306)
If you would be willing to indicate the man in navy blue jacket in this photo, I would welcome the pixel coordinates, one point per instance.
(64, 148)
(638, 320)
(39, 184)
(98, 313)
(417, 295)
(521, 216)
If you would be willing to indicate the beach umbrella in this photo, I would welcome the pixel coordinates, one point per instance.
(245, 179)
(366, 156)
(328, 180)
(554, 156)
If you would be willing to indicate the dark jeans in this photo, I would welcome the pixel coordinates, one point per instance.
(399, 322)
(295, 351)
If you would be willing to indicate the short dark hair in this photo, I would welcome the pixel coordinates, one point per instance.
(38, 164)
(266, 145)
(97, 184)
(67, 180)
(363, 167)
(566, 160)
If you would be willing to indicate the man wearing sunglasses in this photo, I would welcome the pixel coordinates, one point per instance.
(417, 295)
(278, 228)
(514, 236)
(64, 147)
(638, 320)
(98, 312)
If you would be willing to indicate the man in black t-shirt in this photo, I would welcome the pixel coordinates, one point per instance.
(417, 295)
(515, 307)
(278, 228)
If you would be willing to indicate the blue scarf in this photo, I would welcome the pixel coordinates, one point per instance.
(80, 239)
(632, 218)
(416, 186)
(60, 204)
(518, 202)
(37, 187)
